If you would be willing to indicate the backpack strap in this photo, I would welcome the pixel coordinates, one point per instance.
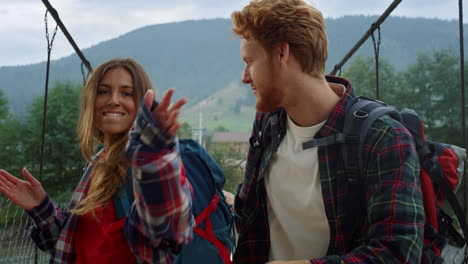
(208, 232)
(269, 132)
(123, 199)
(413, 123)
(361, 113)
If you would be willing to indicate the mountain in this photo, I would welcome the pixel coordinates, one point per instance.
(201, 58)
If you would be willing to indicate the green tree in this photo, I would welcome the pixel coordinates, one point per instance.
(185, 131)
(433, 89)
(11, 137)
(230, 161)
(221, 128)
(3, 105)
(430, 86)
(11, 144)
(62, 158)
(237, 107)
(361, 73)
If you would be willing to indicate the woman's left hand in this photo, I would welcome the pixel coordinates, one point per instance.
(165, 114)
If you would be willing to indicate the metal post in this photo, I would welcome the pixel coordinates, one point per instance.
(462, 89)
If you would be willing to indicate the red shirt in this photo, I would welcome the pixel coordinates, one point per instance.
(101, 240)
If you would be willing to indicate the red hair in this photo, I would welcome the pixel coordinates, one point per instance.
(292, 21)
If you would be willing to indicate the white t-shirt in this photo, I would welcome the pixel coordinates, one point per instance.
(299, 227)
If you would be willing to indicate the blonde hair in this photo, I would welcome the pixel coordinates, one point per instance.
(293, 21)
(110, 171)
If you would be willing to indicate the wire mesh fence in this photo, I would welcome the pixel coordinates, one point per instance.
(452, 254)
(17, 247)
(15, 244)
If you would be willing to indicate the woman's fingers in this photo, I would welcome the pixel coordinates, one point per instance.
(165, 101)
(29, 177)
(8, 177)
(7, 184)
(6, 192)
(3, 184)
(172, 118)
(173, 129)
(165, 113)
(178, 105)
(149, 97)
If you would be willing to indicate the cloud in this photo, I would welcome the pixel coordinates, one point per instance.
(414, 8)
(90, 21)
(430, 9)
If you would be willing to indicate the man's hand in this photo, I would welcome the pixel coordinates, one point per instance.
(163, 114)
(25, 194)
(229, 197)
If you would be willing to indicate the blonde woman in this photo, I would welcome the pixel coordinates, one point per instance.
(140, 146)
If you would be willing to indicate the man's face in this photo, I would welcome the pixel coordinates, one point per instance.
(262, 75)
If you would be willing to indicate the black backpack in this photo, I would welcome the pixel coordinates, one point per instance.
(441, 171)
(442, 167)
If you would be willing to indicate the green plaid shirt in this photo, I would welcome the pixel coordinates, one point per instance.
(390, 228)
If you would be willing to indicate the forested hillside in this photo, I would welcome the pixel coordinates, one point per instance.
(201, 57)
(419, 68)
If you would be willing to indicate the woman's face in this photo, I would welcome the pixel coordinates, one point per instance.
(114, 106)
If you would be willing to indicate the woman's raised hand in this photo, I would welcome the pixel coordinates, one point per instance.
(165, 114)
(25, 194)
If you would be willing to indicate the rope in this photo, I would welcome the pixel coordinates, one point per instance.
(376, 53)
(50, 42)
(83, 74)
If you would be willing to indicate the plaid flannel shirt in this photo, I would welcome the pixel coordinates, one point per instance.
(392, 223)
(161, 212)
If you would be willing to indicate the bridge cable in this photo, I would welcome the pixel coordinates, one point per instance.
(55, 15)
(50, 42)
(376, 53)
(374, 26)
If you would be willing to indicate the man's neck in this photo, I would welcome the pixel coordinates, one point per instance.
(311, 100)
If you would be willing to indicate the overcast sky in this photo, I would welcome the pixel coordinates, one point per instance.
(22, 30)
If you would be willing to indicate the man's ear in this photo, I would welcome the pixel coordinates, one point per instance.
(282, 52)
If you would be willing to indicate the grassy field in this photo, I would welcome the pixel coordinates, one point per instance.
(220, 110)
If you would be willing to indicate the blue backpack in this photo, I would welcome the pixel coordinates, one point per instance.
(213, 240)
